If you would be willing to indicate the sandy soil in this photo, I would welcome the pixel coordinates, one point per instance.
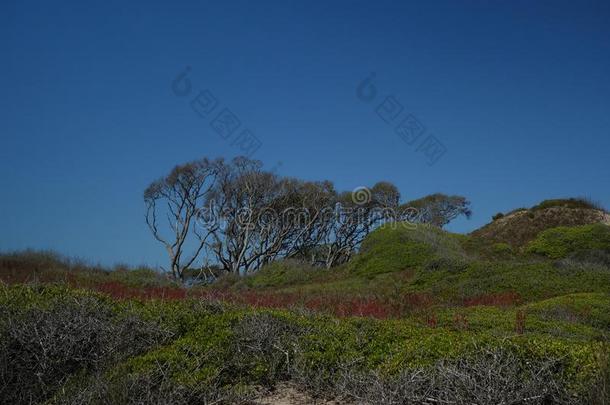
(287, 394)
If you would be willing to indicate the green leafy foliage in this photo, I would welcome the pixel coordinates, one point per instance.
(452, 309)
(559, 242)
(283, 273)
(400, 246)
(197, 352)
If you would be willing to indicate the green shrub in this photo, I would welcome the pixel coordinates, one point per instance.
(84, 348)
(264, 347)
(501, 248)
(47, 266)
(583, 308)
(138, 277)
(282, 273)
(227, 280)
(575, 203)
(489, 376)
(50, 334)
(497, 216)
(176, 316)
(151, 387)
(559, 242)
(591, 257)
(531, 281)
(401, 246)
(484, 248)
(448, 265)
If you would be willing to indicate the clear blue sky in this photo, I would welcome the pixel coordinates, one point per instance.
(518, 94)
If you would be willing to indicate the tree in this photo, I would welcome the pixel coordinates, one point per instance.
(178, 197)
(238, 217)
(439, 209)
(250, 204)
(354, 218)
(385, 195)
(312, 216)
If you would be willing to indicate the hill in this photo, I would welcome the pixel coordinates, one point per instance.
(418, 316)
(520, 226)
(417, 269)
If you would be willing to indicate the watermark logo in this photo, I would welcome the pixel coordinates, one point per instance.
(361, 196)
(366, 90)
(213, 216)
(225, 123)
(405, 125)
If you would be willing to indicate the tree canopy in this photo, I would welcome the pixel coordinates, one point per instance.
(239, 217)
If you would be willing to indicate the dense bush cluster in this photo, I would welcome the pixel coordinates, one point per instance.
(47, 266)
(492, 376)
(519, 227)
(418, 316)
(47, 337)
(559, 242)
(239, 217)
(497, 216)
(392, 248)
(574, 203)
(71, 347)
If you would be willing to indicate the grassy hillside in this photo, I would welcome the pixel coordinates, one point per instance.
(522, 225)
(86, 348)
(396, 263)
(419, 315)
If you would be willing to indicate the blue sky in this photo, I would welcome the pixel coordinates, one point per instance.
(517, 93)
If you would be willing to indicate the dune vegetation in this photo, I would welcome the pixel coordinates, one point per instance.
(418, 315)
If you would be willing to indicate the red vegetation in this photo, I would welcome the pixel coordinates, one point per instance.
(337, 305)
(341, 305)
(352, 306)
(505, 299)
(121, 291)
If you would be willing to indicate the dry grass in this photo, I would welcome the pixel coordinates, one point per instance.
(520, 227)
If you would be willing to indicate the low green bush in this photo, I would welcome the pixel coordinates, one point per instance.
(589, 257)
(497, 216)
(282, 273)
(233, 353)
(486, 249)
(48, 335)
(502, 248)
(398, 247)
(450, 266)
(84, 348)
(583, 308)
(138, 277)
(531, 281)
(559, 242)
(575, 203)
(48, 266)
